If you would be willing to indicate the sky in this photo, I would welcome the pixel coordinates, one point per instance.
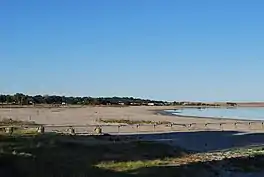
(159, 49)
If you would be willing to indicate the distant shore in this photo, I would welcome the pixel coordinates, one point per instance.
(213, 105)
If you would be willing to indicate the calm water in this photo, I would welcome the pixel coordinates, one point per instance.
(234, 113)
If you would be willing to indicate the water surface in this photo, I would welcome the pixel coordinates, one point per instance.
(233, 113)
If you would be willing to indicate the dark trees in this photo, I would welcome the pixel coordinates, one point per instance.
(22, 99)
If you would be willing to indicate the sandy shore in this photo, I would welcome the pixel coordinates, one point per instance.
(91, 116)
(204, 134)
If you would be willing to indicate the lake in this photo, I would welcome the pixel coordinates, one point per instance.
(249, 113)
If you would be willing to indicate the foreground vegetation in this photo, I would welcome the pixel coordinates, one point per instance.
(13, 122)
(56, 155)
(70, 156)
(17, 127)
(133, 122)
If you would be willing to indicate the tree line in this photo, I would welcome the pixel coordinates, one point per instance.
(22, 99)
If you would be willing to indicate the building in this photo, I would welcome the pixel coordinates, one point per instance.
(151, 104)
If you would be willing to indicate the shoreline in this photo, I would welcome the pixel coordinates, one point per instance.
(165, 113)
(91, 116)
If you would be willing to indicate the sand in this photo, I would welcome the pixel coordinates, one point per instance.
(204, 134)
(91, 115)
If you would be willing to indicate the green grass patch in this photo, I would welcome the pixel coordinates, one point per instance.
(252, 161)
(20, 132)
(133, 122)
(7, 122)
(130, 165)
(19, 127)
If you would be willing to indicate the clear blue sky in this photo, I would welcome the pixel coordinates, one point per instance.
(162, 49)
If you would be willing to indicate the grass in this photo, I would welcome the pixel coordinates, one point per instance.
(18, 126)
(61, 155)
(133, 122)
(21, 131)
(52, 155)
(130, 165)
(7, 122)
(254, 160)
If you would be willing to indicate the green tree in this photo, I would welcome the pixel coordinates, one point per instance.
(9, 99)
(19, 98)
(2, 99)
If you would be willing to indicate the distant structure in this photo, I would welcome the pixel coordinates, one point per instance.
(231, 104)
(121, 103)
(151, 104)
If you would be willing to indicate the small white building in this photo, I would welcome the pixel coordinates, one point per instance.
(151, 104)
